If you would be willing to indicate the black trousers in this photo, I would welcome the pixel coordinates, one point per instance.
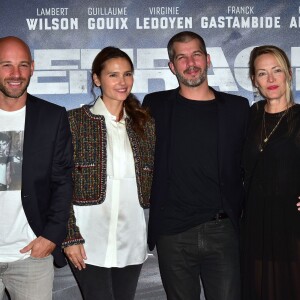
(97, 283)
(209, 251)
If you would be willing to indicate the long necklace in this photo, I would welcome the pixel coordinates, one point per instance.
(263, 128)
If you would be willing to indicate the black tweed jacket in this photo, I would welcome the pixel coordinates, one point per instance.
(89, 174)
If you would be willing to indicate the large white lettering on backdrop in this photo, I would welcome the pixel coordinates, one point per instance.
(67, 71)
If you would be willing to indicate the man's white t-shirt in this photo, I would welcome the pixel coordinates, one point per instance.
(15, 232)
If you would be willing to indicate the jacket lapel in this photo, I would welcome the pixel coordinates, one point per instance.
(222, 124)
(169, 106)
(31, 123)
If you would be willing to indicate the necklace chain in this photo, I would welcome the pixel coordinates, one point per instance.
(263, 128)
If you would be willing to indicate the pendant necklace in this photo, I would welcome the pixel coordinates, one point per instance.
(263, 128)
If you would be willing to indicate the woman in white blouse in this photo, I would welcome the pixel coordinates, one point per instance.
(113, 153)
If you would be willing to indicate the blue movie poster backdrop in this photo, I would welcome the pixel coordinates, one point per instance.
(65, 36)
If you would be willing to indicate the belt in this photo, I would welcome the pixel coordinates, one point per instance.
(219, 216)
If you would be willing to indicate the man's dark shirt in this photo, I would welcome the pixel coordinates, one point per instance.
(194, 194)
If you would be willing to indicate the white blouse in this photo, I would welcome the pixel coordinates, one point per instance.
(115, 231)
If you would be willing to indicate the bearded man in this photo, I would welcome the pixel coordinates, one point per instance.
(197, 191)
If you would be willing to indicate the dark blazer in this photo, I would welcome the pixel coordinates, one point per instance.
(232, 118)
(46, 171)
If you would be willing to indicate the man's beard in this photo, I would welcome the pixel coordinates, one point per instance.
(14, 94)
(192, 82)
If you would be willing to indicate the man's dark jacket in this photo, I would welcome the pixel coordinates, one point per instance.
(46, 171)
(232, 114)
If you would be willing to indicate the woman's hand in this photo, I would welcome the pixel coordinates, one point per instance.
(76, 255)
(298, 204)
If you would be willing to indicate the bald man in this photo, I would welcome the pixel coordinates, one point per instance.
(34, 206)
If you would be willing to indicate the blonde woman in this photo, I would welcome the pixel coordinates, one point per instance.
(271, 255)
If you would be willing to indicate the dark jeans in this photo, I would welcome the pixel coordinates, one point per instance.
(209, 251)
(98, 283)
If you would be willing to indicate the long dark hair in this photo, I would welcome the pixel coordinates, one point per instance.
(138, 115)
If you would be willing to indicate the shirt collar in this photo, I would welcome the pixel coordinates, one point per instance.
(99, 108)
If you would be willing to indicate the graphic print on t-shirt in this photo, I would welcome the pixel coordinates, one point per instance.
(11, 154)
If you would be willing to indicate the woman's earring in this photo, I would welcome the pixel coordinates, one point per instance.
(256, 95)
